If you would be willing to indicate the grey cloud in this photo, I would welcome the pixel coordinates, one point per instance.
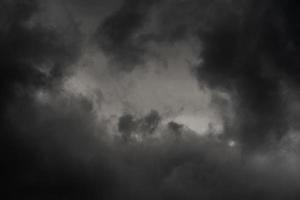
(117, 35)
(246, 57)
(33, 56)
(147, 124)
(249, 49)
(60, 149)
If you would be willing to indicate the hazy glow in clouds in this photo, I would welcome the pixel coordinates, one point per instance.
(165, 84)
(201, 123)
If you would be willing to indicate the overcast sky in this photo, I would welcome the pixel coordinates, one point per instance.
(150, 99)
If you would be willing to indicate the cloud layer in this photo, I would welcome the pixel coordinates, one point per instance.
(157, 99)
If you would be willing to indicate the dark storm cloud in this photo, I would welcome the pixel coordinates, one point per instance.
(251, 57)
(126, 34)
(56, 153)
(175, 128)
(31, 54)
(68, 157)
(147, 124)
(249, 49)
(126, 125)
(54, 147)
(117, 35)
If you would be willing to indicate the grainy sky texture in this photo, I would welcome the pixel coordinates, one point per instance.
(150, 99)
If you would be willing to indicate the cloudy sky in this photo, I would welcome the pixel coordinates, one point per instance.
(150, 99)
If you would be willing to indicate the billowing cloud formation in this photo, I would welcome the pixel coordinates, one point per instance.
(249, 49)
(67, 155)
(33, 55)
(145, 125)
(255, 58)
(204, 106)
(118, 34)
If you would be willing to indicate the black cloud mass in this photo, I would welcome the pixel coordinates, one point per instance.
(97, 99)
